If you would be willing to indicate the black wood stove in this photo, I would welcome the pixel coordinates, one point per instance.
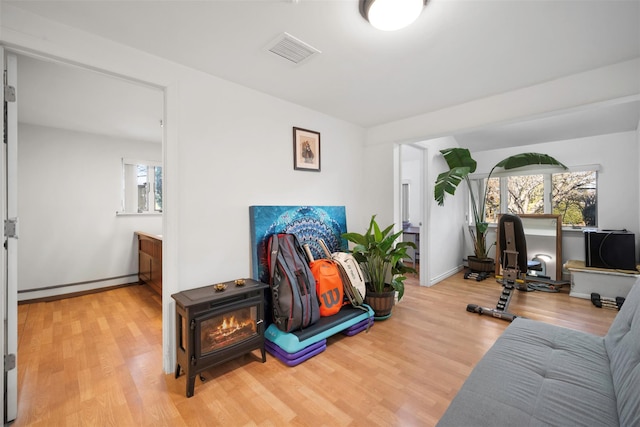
(217, 323)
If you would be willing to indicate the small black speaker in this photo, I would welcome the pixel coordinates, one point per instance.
(610, 249)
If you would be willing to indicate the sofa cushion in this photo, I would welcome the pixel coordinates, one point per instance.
(538, 374)
(622, 343)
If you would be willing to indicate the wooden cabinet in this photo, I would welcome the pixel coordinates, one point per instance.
(150, 260)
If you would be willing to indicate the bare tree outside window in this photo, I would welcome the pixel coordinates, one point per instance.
(525, 194)
(492, 206)
(574, 197)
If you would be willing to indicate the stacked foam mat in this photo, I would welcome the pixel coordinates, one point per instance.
(293, 348)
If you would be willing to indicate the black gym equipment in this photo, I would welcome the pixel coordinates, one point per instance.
(606, 302)
(478, 276)
(514, 267)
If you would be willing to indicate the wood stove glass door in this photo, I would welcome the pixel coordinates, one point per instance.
(218, 330)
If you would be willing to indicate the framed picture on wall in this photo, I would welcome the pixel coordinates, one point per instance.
(306, 150)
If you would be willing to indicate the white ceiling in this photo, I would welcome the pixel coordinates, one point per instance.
(456, 52)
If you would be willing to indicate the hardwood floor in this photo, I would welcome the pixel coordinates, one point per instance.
(96, 360)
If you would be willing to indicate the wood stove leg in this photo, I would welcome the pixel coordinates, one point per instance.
(190, 385)
(264, 354)
(177, 370)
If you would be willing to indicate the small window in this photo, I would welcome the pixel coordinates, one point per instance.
(142, 182)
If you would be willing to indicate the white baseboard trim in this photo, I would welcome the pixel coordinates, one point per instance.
(72, 288)
(446, 274)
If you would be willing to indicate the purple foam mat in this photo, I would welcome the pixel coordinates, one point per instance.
(296, 355)
(293, 359)
(358, 327)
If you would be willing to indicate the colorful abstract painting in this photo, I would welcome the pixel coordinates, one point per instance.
(308, 223)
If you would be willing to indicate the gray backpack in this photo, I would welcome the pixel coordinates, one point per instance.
(293, 287)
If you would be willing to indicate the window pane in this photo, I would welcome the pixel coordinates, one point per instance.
(492, 206)
(158, 188)
(525, 194)
(143, 203)
(142, 184)
(574, 197)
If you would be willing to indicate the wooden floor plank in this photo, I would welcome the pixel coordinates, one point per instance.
(96, 359)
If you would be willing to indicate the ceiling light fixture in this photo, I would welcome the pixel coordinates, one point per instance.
(391, 15)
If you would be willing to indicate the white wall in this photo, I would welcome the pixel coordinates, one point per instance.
(70, 187)
(445, 229)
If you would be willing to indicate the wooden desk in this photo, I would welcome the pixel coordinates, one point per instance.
(150, 260)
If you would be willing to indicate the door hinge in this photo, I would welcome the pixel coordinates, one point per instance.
(11, 228)
(9, 362)
(9, 93)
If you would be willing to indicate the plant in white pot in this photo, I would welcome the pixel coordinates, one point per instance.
(381, 258)
(461, 164)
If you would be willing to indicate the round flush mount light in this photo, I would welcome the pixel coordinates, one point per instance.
(391, 15)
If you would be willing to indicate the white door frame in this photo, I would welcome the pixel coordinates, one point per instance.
(3, 268)
(10, 259)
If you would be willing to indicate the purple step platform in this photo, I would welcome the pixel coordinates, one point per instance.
(358, 327)
(293, 359)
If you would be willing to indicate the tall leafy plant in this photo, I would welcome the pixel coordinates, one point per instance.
(461, 164)
(380, 257)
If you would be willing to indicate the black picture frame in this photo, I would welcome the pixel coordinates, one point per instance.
(306, 150)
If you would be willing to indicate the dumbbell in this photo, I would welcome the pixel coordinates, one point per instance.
(600, 302)
(471, 275)
(477, 276)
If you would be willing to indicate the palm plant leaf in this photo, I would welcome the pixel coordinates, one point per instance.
(448, 181)
(461, 164)
(526, 159)
(459, 157)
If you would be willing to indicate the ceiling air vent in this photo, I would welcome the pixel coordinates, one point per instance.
(292, 49)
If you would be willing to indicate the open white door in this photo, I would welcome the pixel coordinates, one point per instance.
(9, 305)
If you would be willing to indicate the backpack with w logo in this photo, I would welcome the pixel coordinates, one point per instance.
(328, 285)
(293, 287)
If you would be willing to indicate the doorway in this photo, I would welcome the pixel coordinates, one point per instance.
(411, 202)
(75, 127)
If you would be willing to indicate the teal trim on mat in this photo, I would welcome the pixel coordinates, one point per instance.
(290, 343)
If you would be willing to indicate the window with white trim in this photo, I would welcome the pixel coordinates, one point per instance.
(142, 184)
(572, 194)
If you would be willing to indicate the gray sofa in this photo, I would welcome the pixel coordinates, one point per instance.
(538, 374)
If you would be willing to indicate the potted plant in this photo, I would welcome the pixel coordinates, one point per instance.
(461, 164)
(380, 258)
